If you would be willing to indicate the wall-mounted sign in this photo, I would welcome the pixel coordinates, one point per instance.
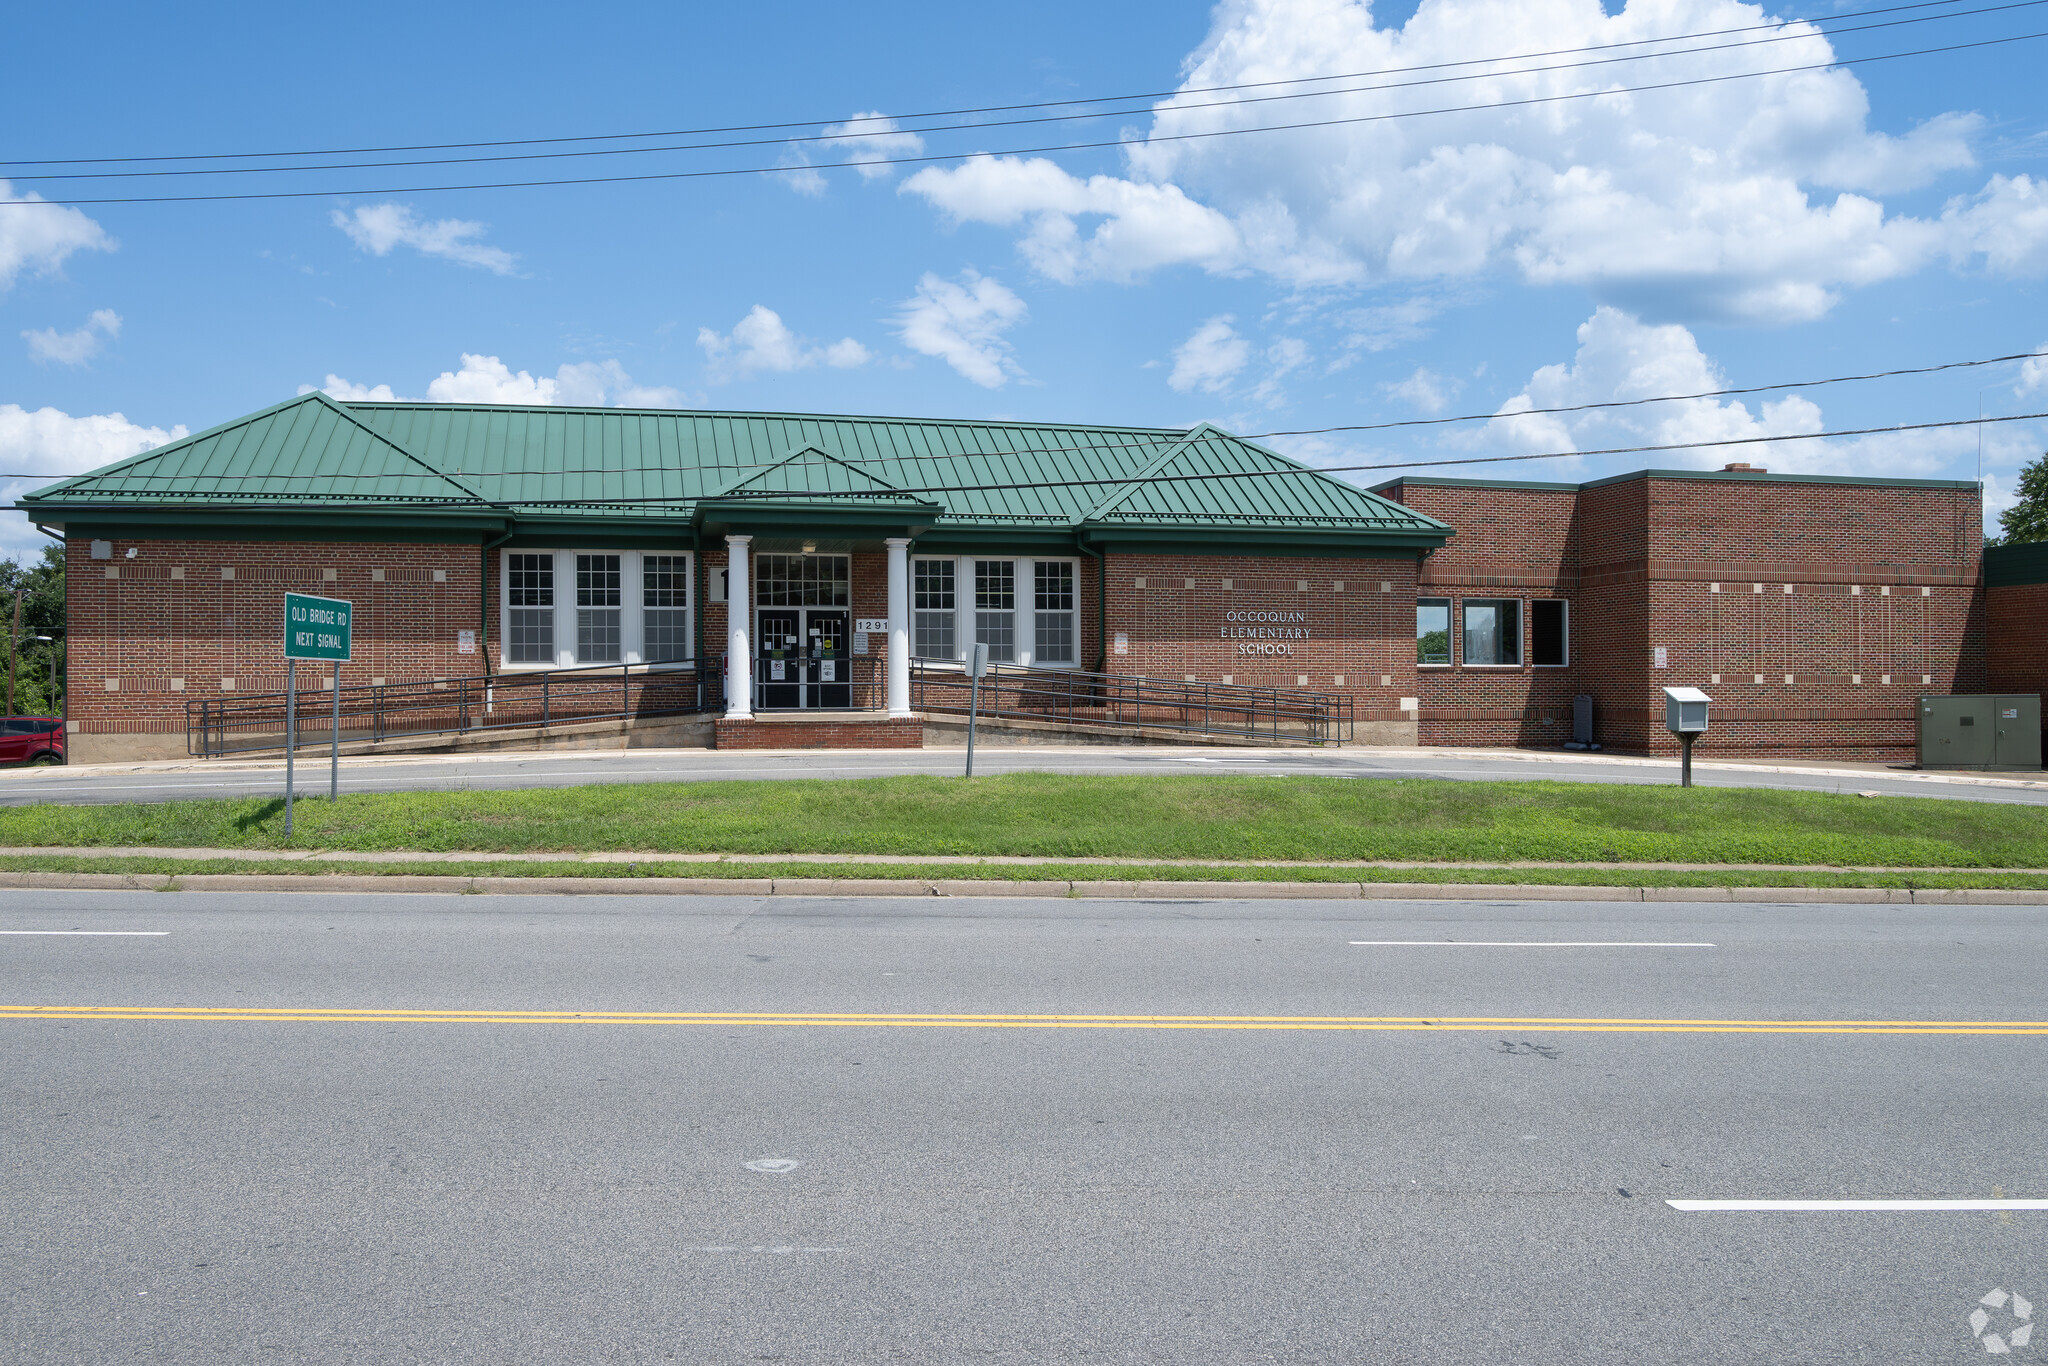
(465, 642)
(873, 625)
(1269, 632)
(1123, 643)
(1663, 658)
(860, 642)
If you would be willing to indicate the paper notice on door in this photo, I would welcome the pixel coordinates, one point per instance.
(828, 671)
(776, 671)
(860, 642)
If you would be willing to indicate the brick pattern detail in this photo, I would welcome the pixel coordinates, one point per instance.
(2016, 619)
(1883, 585)
(769, 733)
(169, 637)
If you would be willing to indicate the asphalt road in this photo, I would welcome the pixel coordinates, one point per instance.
(1249, 1186)
(505, 771)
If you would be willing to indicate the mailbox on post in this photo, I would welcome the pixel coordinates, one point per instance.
(1685, 715)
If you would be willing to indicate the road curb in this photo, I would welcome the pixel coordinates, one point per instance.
(975, 887)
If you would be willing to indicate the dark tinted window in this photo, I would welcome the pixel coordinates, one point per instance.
(19, 725)
(1547, 632)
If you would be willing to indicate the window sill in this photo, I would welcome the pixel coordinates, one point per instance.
(1432, 666)
(1497, 668)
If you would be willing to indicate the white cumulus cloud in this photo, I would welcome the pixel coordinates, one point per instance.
(2033, 372)
(962, 323)
(1425, 390)
(1751, 199)
(1620, 358)
(39, 236)
(49, 442)
(1210, 356)
(761, 341)
(349, 392)
(377, 228)
(870, 135)
(48, 345)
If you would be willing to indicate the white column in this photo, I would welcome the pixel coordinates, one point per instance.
(899, 626)
(739, 661)
(963, 607)
(1025, 628)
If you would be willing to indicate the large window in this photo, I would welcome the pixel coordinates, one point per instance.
(1432, 630)
(995, 607)
(803, 581)
(1493, 632)
(597, 609)
(1550, 641)
(934, 606)
(614, 607)
(1053, 614)
(664, 607)
(530, 609)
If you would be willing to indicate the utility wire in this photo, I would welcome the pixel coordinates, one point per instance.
(867, 136)
(1149, 140)
(1291, 468)
(1166, 437)
(982, 109)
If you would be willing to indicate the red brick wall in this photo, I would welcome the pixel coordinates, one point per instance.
(1883, 594)
(1358, 616)
(2016, 621)
(169, 626)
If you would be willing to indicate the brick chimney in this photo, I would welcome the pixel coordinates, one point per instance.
(1740, 468)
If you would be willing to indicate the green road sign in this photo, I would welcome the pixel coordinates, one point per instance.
(316, 628)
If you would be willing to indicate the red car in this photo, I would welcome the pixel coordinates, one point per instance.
(31, 740)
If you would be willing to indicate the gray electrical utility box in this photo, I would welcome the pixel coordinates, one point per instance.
(1981, 732)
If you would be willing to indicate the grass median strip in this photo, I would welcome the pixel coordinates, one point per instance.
(1051, 873)
(1196, 816)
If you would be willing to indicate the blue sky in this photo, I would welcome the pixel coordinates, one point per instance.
(1790, 226)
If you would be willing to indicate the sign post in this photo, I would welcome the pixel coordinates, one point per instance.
(977, 666)
(314, 628)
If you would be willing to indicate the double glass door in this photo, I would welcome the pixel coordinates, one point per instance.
(802, 661)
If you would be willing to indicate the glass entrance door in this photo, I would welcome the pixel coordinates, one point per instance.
(779, 665)
(830, 680)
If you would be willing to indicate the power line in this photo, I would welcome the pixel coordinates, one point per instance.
(982, 109)
(1166, 437)
(867, 136)
(1151, 139)
(1292, 468)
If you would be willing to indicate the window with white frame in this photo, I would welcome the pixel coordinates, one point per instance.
(664, 607)
(1053, 613)
(613, 607)
(1493, 632)
(995, 607)
(530, 609)
(933, 605)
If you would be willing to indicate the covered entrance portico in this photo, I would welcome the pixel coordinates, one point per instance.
(798, 639)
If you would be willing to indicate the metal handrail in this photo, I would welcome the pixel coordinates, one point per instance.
(372, 713)
(1072, 697)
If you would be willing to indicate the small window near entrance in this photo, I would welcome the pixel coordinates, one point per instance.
(1432, 630)
(530, 600)
(1053, 614)
(1493, 632)
(995, 607)
(933, 607)
(664, 606)
(597, 609)
(1550, 644)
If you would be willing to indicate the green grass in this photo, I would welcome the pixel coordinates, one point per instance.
(1048, 815)
(172, 869)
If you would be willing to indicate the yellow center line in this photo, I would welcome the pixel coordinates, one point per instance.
(824, 1019)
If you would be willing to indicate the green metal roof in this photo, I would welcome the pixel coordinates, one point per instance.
(509, 465)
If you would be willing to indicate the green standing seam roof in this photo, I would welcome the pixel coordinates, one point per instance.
(313, 454)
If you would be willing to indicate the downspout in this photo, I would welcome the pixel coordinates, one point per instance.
(483, 598)
(1101, 604)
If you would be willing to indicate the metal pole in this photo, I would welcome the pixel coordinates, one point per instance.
(291, 737)
(1685, 761)
(977, 663)
(334, 754)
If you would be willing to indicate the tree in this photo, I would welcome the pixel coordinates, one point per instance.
(41, 586)
(2027, 520)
